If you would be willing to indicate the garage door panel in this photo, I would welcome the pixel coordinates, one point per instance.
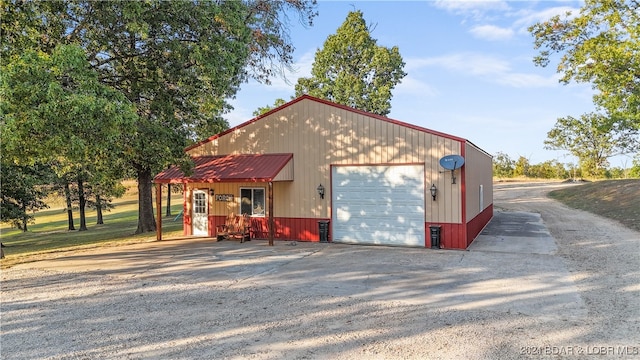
(379, 205)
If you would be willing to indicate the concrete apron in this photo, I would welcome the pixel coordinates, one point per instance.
(506, 273)
(515, 232)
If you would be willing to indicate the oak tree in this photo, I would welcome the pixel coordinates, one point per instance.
(599, 45)
(265, 109)
(177, 61)
(351, 69)
(23, 192)
(593, 139)
(503, 166)
(56, 112)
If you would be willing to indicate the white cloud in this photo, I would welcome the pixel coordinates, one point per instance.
(474, 9)
(470, 63)
(488, 68)
(471, 6)
(522, 80)
(414, 86)
(528, 18)
(485, 11)
(491, 32)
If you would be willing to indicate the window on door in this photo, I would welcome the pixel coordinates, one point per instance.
(252, 201)
(200, 203)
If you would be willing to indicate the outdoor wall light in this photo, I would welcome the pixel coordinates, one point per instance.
(320, 189)
(212, 192)
(434, 191)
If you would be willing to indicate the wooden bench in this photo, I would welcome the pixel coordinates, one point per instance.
(236, 227)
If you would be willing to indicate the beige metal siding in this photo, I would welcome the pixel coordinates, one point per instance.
(319, 135)
(478, 171)
(226, 207)
(286, 173)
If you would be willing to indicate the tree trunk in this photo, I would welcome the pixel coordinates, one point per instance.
(82, 200)
(99, 220)
(168, 200)
(146, 219)
(67, 195)
(25, 218)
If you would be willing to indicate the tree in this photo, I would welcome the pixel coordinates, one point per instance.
(101, 194)
(265, 109)
(62, 185)
(168, 205)
(575, 172)
(23, 191)
(351, 69)
(503, 165)
(56, 112)
(550, 169)
(177, 61)
(600, 45)
(634, 172)
(69, 203)
(521, 167)
(593, 139)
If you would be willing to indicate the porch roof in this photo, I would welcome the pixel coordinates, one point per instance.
(233, 168)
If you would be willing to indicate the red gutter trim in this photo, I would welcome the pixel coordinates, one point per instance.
(327, 102)
(212, 181)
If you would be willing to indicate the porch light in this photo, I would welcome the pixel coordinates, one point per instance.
(434, 191)
(320, 189)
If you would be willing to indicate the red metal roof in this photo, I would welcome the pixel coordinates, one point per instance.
(229, 168)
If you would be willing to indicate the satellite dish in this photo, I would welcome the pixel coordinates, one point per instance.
(452, 162)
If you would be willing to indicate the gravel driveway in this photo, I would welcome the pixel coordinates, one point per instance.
(199, 299)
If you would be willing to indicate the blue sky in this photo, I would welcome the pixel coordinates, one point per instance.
(470, 70)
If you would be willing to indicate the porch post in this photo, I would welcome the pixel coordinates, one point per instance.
(158, 211)
(184, 208)
(271, 222)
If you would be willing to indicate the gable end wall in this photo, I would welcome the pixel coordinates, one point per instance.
(320, 134)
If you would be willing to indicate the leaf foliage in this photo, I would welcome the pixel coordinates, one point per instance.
(351, 69)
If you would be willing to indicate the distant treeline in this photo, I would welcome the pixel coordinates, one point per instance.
(505, 167)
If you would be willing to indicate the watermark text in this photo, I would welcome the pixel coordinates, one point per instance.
(609, 350)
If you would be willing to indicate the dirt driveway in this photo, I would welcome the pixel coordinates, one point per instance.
(198, 299)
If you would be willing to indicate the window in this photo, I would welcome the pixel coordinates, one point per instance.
(200, 202)
(252, 201)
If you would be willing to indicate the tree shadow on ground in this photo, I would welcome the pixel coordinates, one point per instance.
(186, 299)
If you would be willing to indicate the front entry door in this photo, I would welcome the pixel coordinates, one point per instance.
(200, 213)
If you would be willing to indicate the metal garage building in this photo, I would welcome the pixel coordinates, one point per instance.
(374, 179)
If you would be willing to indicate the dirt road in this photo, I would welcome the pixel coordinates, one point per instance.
(197, 299)
(602, 256)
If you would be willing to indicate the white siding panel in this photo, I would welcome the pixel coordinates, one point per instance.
(381, 204)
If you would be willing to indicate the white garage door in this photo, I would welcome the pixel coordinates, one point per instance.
(378, 205)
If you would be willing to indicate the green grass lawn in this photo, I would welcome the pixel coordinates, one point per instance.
(49, 232)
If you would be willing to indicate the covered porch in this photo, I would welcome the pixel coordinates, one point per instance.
(223, 184)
